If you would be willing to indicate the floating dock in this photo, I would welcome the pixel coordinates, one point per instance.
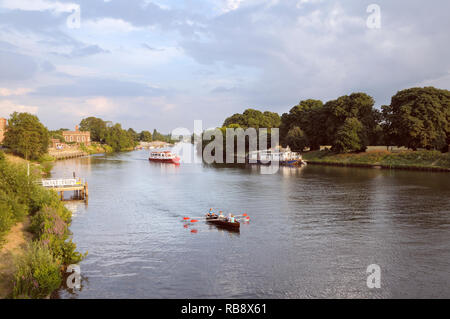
(76, 185)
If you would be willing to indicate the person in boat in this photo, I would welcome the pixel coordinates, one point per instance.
(211, 213)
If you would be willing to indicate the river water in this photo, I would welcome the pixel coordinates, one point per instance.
(313, 231)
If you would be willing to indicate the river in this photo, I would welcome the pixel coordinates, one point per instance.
(313, 231)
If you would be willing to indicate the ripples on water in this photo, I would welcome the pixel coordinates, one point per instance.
(312, 234)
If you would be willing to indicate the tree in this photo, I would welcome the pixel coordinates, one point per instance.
(133, 135)
(358, 106)
(26, 136)
(254, 118)
(145, 136)
(156, 136)
(118, 138)
(96, 126)
(348, 136)
(418, 118)
(297, 139)
(310, 117)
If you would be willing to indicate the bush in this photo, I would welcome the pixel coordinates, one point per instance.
(51, 228)
(41, 197)
(37, 273)
(6, 218)
(47, 163)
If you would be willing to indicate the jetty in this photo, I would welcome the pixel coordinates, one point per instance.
(76, 185)
(66, 154)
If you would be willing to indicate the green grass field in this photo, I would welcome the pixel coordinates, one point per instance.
(399, 159)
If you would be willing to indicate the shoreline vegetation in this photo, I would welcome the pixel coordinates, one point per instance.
(416, 123)
(34, 262)
(422, 160)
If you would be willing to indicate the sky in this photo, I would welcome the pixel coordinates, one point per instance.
(165, 63)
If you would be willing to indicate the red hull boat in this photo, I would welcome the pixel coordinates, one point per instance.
(164, 157)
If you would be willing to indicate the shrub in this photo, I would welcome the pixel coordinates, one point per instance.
(51, 228)
(47, 163)
(37, 273)
(41, 197)
(6, 218)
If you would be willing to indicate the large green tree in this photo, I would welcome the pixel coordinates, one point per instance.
(96, 126)
(297, 139)
(133, 134)
(359, 106)
(347, 137)
(145, 136)
(418, 118)
(309, 116)
(118, 138)
(254, 118)
(26, 136)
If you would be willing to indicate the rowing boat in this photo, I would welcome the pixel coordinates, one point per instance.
(223, 222)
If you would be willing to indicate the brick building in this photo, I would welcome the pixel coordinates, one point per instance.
(2, 129)
(77, 136)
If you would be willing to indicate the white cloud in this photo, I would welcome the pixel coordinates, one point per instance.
(38, 5)
(108, 25)
(7, 107)
(11, 92)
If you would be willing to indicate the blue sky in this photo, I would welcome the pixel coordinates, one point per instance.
(164, 63)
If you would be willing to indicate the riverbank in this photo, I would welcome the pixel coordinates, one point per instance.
(407, 160)
(14, 246)
(31, 264)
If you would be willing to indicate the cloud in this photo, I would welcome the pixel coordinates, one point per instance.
(38, 5)
(323, 50)
(146, 46)
(79, 52)
(91, 86)
(108, 25)
(11, 92)
(8, 107)
(210, 59)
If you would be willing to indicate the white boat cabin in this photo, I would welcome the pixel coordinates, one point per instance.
(275, 155)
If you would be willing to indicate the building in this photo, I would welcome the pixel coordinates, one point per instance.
(2, 129)
(56, 144)
(77, 136)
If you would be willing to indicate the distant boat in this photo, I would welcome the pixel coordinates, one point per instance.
(164, 157)
(282, 156)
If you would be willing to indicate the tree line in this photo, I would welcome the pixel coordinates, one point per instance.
(416, 118)
(26, 136)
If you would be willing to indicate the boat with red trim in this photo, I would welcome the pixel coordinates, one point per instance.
(164, 157)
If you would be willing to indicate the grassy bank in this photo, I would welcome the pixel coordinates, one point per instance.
(96, 148)
(418, 160)
(38, 270)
